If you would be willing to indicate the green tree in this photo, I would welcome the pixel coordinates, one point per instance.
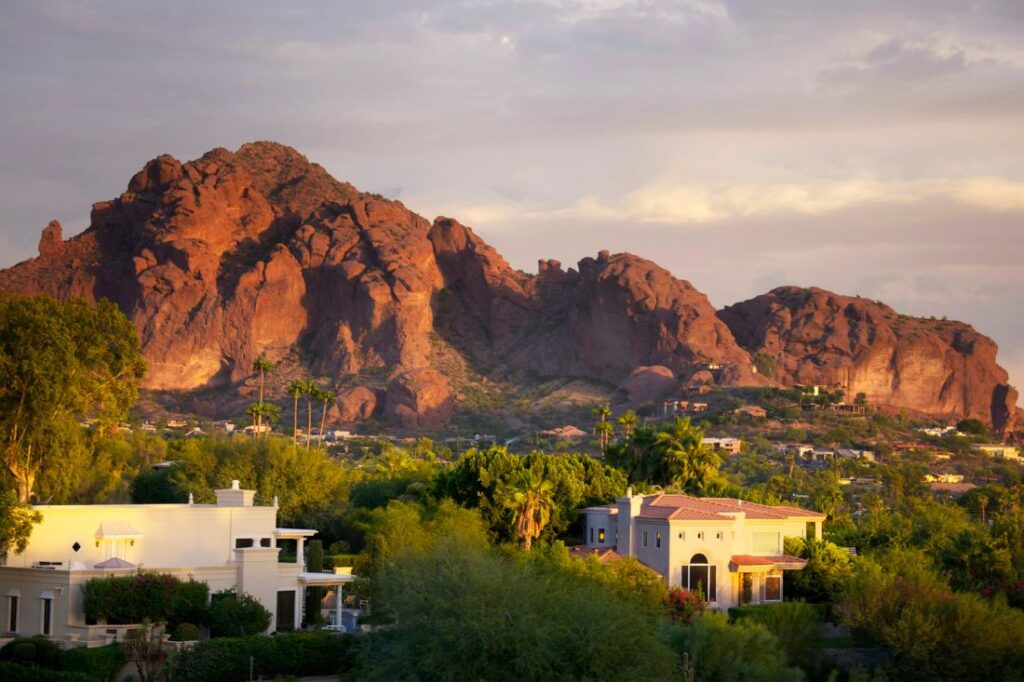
(315, 594)
(326, 398)
(686, 461)
(60, 364)
(16, 521)
(296, 389)
(531, 502)
(628, 422)
(263, 365)
(971, 426)
(236, 615)
(603, 428)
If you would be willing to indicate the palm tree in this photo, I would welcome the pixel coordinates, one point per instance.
(686, 460)
(532, 502)
(326, 398)
(254, 410)
(296, 389)
(262, 365)
(309, 389)
(628, 423)
(603, 429)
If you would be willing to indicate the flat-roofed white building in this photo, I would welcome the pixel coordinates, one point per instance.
(232, 544)
(720, 544)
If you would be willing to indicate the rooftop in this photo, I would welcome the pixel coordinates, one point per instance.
(687, 507)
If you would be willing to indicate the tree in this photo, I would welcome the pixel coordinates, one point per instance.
(234, 614)
(971, 426)
(686, 461)
(60, 364)
(262, 365)
(326, 398)
(603, 428)
(144, 649)
(315, 594)
(310, 390)
(16, 521)
(531, 503)
(628, 422)
(296, 389)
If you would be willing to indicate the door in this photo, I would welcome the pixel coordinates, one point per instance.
(286, 610)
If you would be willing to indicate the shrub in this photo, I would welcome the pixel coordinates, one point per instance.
(155, 597)
(796, 624)
(236, 615)
(12, 672)
(37, 650)
(683, 605)
(185, 632)
(99, 663)
(295, 653)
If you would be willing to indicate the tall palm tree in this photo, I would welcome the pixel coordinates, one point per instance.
(603, 429)
(326, 398)
(532, 502)
(262, 365)
(296, 389)
(309, 389)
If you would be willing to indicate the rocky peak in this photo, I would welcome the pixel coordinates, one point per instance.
(51, 241)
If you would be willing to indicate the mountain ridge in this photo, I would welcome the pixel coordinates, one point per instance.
(234, 254)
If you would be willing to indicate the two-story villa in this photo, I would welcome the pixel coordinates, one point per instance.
(232, 544)
(731, 550)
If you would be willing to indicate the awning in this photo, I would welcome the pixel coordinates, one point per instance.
(117, 530)
(294, 532)
(749, 563)
(114, 563)
(328, 579)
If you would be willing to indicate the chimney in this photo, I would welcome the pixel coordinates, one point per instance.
(625, 532)
(235, 496)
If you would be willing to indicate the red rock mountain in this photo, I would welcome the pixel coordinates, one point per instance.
(260, 251)
(933, 367)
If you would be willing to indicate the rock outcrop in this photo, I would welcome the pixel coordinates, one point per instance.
(933, 367)
(234, 254)
(644, 385)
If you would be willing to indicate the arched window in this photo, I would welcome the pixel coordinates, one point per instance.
(699, 575)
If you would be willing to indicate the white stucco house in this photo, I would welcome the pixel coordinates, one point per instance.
(232, 544)
(716, 544)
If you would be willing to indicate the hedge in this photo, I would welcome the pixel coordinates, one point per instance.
(144, 596)
(297, 653)
(12, 672)
(36, 650)
(101, 664)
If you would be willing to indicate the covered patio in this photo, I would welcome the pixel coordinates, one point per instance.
(333, 581)
(758, 579)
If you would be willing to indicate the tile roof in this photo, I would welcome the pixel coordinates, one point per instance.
(604, 555)
(671, 506)
(751, 560)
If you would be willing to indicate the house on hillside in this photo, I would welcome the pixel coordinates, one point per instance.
(564, 432)
(752, 411)
(731, 550)
(999, 451)
(728, 446)
(230, 544)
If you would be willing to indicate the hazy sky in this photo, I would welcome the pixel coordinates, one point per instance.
(865, 146)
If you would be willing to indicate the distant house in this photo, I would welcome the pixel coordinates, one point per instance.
(730, 446)
(940, 431)
(953, 490)
(853, 453)
(225, 426)
(195, 433)
(720, 546)
(176, 423)
(752, 411)
(564, 432)
(674, 408)
(253, 429)
(148, 427)
(999, 451)
(943, 478)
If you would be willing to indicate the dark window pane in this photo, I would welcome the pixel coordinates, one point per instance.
(773, 588)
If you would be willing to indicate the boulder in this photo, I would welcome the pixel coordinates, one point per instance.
(419, 398)
(646, 384)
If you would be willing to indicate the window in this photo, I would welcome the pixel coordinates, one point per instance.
(773, 588)
(265, 542)
(682, 536)
(591, 536)
(718, 536)
(645, 539)
(765, 542)
(243, 543)
(285, 610)
(812, 531)
(600, 535)
(47, 616)
(12, 613)
(657, 539)
(699, 576)
(700, 535)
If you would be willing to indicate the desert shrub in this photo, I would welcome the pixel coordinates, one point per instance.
(684, 605)
(98, 663)
(236, 615)
(720, 652)
(13, 672)
(185, 632)
(37, 650)
(796, 624)
(295, 653)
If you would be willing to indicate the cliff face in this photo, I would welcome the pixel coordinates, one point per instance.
(260, 251)
(934, 367)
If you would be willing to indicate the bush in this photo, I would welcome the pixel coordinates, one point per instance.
(37, 650)
(99, 663)
(720, 651)
(796, 624)
(12, 672)
(185, 632)
(295, 653)
(155, 597)
(236, 615)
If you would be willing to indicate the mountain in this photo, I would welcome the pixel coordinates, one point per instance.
(260, 251)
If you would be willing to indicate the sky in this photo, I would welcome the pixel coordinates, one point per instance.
(871, 147)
